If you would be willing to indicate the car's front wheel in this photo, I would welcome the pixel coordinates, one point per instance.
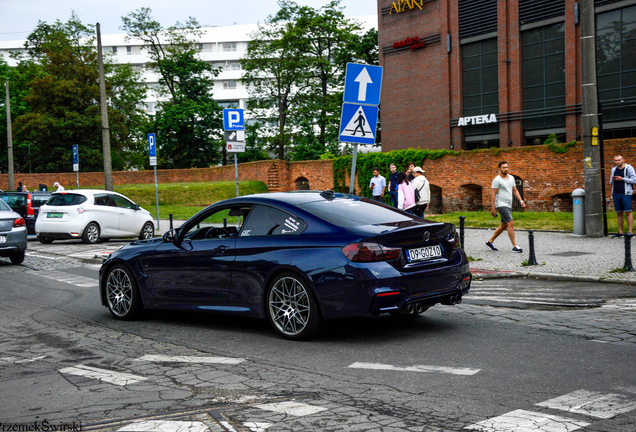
(45, 240)
(292, 308)
(147, 231)
(17, 258)
(91, 233)
(122, 294)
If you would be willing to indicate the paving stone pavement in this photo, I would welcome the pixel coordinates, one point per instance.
(559, 255)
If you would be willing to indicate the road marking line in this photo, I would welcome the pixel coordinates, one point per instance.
(190, 359)
(416, 368)
(31, 254)
(528, 421)
(81, 281)
(165, 426)
(593, 404)
(293, 408)
(228, 426)
(16, 360)
(112, 377)
(257, 427)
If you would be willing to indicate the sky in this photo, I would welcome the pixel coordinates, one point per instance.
(19, 17)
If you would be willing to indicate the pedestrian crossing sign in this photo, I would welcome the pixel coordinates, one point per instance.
(358, 123)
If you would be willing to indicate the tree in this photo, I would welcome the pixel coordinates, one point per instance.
(189, 123)
(60, 86)
(275, 71)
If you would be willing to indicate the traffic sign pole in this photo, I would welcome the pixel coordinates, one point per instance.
(234, 126)
(76, 163)
(152, 154)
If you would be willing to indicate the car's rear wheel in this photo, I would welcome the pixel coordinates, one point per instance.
(45, 240)
(17, 258)
(292, 308)
(147, 231)
(122, 294)
(91, 233)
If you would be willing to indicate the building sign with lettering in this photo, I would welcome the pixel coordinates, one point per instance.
(402, 5)
(411, 43)
(475, 120)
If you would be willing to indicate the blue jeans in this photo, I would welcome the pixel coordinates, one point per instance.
(394, 198)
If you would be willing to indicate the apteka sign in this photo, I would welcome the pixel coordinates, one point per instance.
(475, 120)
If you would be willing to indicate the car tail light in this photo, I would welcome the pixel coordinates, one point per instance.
(30, 212)
(19, 222)
(370, 252)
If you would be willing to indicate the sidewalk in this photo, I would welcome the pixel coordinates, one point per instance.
(559, 255)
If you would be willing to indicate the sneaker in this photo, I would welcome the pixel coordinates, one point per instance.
(517, 249)
(491, 246)
(617, 235)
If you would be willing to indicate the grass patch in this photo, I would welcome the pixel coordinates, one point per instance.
(560, 221)
(184, 200)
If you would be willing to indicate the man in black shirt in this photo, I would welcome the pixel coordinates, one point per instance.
(622, 178)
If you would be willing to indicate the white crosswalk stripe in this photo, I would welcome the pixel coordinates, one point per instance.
(292, 408)
(527, 421)
(112, 377)
(165, 426)
(593, 404)
(59, 276)
(416, 368)
(190, 359)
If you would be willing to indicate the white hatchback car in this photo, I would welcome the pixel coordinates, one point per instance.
(92, 215)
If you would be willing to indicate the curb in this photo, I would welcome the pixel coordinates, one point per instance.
(492, 274)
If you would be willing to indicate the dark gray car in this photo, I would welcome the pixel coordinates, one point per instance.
(13, 234)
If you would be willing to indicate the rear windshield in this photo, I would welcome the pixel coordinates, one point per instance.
(39, 200)
(66, 199)
(350, 212)
(15, 201)
(4, 206)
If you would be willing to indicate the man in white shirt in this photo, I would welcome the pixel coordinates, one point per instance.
(377, 185)
(59, 187)
(502, 189)
(421, 184)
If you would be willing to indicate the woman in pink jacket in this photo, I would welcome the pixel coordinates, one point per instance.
(406, 193)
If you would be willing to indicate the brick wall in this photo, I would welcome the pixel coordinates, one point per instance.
(458, 182)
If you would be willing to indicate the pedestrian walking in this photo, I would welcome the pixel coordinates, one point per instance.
(377, 185)
(622, 178)
(420, 183)
(20, 187)
(406, 193)
(501, 192)
(59, 187)
(393, 185)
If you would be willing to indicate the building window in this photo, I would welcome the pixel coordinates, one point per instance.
(229, 85)
(229, 46)
(543, 51)
(229, 104)
(480, 84)
(233, 66)
(616, 63)
(206, 47)
(133, 50)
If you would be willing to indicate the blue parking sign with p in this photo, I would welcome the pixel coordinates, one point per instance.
(233, 119)
(152, 146)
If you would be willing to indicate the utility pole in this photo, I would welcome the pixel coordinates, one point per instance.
(9, 141)
(108, 163)
(591, 152)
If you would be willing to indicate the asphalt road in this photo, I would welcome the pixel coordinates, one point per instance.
(527, 354)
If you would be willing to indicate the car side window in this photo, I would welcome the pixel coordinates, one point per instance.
(102, 200)
(269, 221)
(223, 223)
(122, 202)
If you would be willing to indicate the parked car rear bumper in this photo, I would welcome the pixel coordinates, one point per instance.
(16, 241)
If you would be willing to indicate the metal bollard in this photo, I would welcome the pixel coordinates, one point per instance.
(532, 260)
(171, 221)
(628, 253)
(461, 230)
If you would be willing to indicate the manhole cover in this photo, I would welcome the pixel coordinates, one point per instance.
(571, 254)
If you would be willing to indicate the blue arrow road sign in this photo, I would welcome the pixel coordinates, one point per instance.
(363, 84)
(152, 147)
(233, 119)
(358, 123)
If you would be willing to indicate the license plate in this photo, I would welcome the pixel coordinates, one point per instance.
(54, 215)
(424, 253)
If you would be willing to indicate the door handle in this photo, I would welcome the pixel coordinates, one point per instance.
(221, 249)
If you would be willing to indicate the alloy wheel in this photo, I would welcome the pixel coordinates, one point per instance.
(119, 292)
(289, 306)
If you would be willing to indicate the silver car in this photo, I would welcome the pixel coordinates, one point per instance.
(13, 234)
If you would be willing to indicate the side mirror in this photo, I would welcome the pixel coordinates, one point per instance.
(136, 206)
(170, 236)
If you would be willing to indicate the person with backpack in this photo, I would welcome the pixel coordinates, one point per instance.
(422, 191)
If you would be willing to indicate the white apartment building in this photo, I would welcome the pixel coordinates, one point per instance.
(223, 47)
